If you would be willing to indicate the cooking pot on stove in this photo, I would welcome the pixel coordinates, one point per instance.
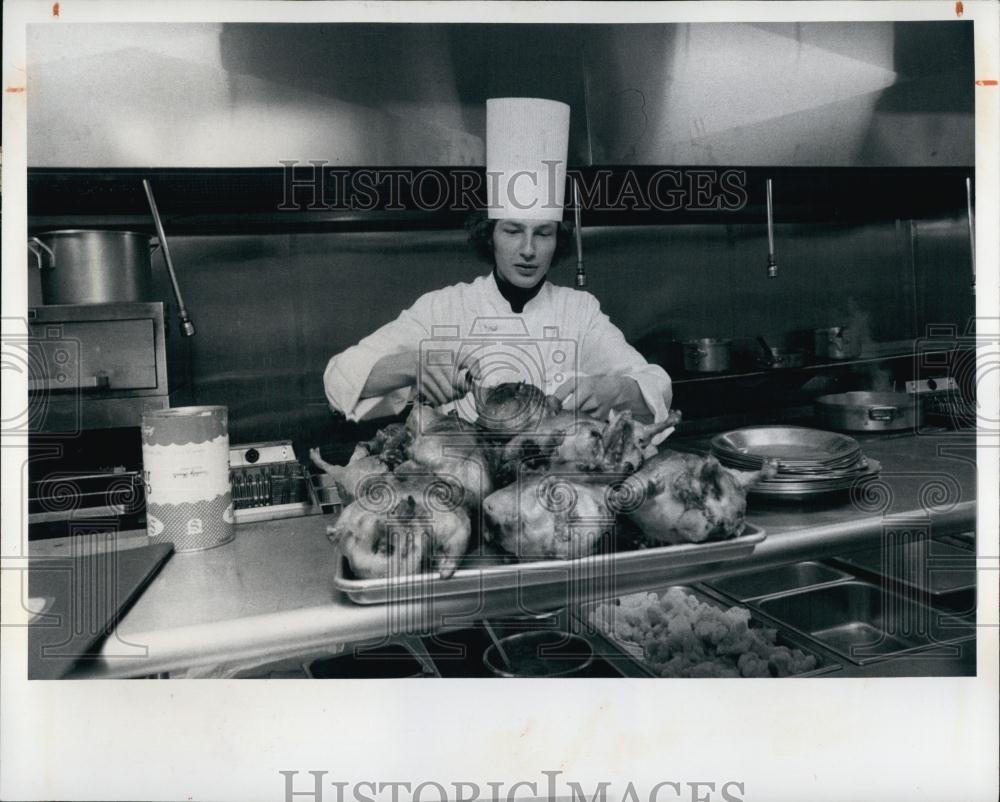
(862, 411)
(92, 267)
(837, 342)
(708, 355)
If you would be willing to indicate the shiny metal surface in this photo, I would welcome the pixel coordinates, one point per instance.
(837, 343)
(470, 581)
(924, 566)
(120, 353)
(791, 446)
(708, 355)
(859, 411)
(809, 488)
(92, 267)
(745, 587)
(864, 622)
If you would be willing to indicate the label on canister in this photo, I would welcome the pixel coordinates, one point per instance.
(185, 454)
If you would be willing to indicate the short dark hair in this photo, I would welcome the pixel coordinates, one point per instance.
(480, 229)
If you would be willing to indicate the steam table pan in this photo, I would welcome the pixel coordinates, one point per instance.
(925, 566)
(795, 576)
(865, 623)
(629, 658)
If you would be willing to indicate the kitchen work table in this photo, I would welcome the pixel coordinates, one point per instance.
(268, 595)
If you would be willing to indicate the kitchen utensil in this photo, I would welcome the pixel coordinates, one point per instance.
(473, 579)
(808, 489)
(708, 355)
(837, 343)
(540, 654)
(863, 622)
(811, 462)
(498, 645)
(93, 267)
(187, 327)
(791, 446)
(780, 358)
(863, 411)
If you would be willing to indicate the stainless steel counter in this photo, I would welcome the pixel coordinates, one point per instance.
(268, 594)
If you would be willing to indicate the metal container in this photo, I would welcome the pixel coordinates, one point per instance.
(945, 573)
(84, 267)
(708, 355)
(629, 657)
(778, 358)
(185, 459)
(862, 411)
(744, 587)
(540, 654)
(864, 622)
(837, 342)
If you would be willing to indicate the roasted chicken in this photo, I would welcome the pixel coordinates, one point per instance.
(546, 516)
(686, 498)
(403, 523)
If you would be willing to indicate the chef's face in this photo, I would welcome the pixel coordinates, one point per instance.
(523, 250)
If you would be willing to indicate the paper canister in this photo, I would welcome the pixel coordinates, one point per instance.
(185, 459)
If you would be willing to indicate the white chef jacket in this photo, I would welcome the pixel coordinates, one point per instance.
(561, 334)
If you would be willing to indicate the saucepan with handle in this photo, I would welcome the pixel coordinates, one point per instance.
(863, 411)
(837, 343)
(708, 355)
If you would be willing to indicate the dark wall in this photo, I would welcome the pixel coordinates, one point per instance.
(271, 309)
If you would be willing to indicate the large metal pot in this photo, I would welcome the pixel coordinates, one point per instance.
(708, 355)
(861, 411)
(837, 342)
(92, 267)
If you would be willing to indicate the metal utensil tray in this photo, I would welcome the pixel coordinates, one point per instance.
(628, 657)
(471, 579)
(863, 622)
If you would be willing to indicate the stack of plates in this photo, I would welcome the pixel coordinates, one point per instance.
(810, 462)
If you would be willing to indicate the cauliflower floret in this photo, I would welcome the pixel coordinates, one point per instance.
(681, 636)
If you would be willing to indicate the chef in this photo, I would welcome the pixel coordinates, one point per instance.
(511, 324)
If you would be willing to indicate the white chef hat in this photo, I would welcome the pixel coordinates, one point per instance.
(526, 143)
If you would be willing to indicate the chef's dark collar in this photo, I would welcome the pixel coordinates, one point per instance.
(516, 296)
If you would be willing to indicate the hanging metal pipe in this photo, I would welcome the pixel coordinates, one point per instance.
(772, 265)
(581, 275)
(187, 327)
(972, 226)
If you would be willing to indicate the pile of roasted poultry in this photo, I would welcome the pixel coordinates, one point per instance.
(529, 481)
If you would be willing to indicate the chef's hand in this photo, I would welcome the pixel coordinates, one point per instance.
(439, 384)
(598, 395)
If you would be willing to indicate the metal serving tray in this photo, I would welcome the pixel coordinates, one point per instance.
(864, 623)
(781, 579)
(629, 660)
(473, 579)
